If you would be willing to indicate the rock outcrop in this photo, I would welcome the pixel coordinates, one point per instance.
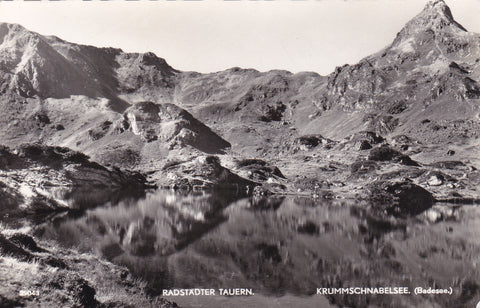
(399, 199)
(204, 172)
(171, 124)
(386, 153)
(363, 140)
(37, 178)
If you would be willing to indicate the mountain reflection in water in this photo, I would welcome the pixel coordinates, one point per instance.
(279, 246)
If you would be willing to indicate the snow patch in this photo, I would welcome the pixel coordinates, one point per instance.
(438, 66)
(406, 46)
(26, 191)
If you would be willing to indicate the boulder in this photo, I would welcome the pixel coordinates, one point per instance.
(259, 170)
(449, 164)
(386, 153)
(26, 242)
(7, 248)
(204, 172)
(363, 166)
(399, 198)
(308, 142)
(403, 142)
(359, 141)
(435, 180)
(172, 124)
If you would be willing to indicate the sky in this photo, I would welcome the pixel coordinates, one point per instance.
(213, 35)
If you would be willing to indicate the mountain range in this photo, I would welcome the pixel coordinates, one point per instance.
(134, 110)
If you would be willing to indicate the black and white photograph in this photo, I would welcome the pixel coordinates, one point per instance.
(240, 153)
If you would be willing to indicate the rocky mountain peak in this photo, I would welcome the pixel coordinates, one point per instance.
(434, 28)
(436, 17)
(6, 28)
(14, 39)
(438, 7)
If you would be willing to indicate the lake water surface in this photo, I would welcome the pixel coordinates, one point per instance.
(282, 248)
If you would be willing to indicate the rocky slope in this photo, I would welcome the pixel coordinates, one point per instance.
(430, 71)
(36, 179)
(420, 94)
(53, 277)
(423, 84)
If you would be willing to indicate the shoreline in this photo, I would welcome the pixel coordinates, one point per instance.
(38, 273)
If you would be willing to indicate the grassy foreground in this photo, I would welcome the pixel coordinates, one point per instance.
(33, 275)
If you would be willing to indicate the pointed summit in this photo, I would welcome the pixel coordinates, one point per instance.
(436, 16)
(14, 32)
(433, 25)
